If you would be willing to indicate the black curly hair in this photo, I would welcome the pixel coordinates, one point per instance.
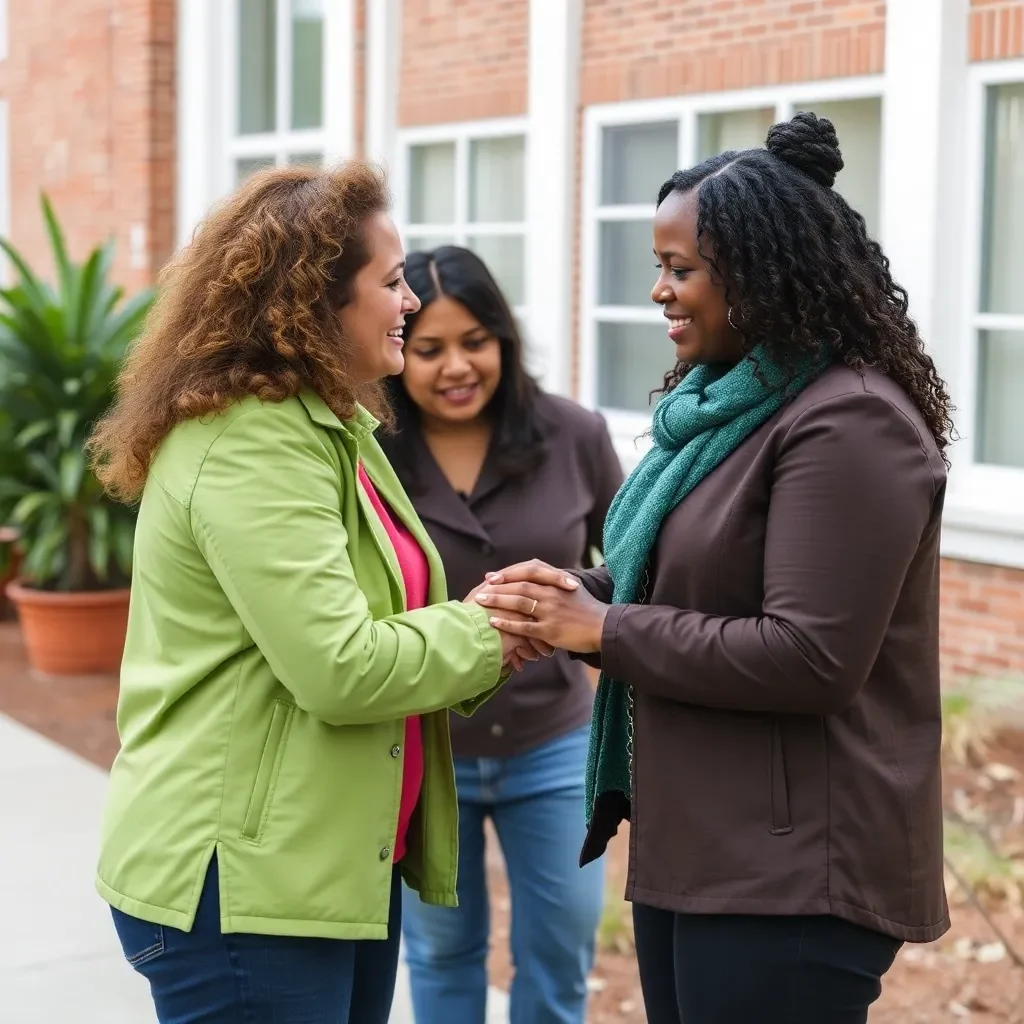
(802, 276)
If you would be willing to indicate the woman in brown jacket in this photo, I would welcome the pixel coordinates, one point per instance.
(767, 624)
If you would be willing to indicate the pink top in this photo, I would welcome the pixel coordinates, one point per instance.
(416, 576)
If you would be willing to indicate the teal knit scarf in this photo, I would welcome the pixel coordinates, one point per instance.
(696, 426)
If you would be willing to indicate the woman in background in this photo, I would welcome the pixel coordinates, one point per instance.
(500, 471)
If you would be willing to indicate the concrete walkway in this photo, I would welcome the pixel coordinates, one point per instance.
(59, 957)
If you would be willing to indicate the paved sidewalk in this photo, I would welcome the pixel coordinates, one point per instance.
(59, 957)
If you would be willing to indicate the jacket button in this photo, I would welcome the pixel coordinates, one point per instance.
(385, 853)
(396, 750)
(497, 730)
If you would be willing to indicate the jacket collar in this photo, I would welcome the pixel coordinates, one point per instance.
(360, 426)
(437, 501)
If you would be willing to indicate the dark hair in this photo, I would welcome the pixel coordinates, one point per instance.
(801, 275)
(460, 274)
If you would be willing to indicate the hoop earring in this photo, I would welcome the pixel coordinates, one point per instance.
(728, 316)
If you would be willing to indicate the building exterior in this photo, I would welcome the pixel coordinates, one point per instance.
(537, 131)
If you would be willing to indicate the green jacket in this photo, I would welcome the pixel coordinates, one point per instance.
(268, 670)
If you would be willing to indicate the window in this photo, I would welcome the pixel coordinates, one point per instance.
(278, 84)
(632, 352)
(629, 151)
(466, 185)
(858, 124)
(999, 309)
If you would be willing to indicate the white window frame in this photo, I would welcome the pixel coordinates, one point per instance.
(984, 512)
(207, 111)
(283, 142)
(462, 133)
(628, 428)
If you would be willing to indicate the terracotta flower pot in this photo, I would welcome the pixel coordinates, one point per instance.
(72, 634)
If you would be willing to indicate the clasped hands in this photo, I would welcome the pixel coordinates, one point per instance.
(537, 609)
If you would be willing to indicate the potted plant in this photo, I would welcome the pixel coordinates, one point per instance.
(60, 352)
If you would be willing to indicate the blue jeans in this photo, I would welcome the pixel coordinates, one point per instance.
(536, 803)
(205, 977)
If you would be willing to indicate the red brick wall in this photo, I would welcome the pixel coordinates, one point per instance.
(463, 60)
(90, 92)
(982, 621)
(658, 48)
(997, 29)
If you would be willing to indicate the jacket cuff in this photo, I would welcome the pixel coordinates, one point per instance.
(612, 661)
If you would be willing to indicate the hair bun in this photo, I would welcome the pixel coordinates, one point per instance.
(809, 144)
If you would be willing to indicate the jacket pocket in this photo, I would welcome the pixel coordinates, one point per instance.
(778, 786)
(266, 774)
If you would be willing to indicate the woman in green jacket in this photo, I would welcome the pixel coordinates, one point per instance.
(291, 655)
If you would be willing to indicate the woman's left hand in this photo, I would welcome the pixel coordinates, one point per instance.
(571, 620)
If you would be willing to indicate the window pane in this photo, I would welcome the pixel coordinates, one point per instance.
(1000, 410)
(309, 159)
(627, 272)
(497, 180)
(858, 124)
(636, 160)
(504, 256)
(1002, 282)
(427, 243)
(257, 70)
(432, 184)
(632, 360)
(250, 165)
(732, 129)
(307, 63)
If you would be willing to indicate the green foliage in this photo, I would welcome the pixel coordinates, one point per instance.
(60, 353)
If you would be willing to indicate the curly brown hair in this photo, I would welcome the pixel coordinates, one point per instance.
(249, 307)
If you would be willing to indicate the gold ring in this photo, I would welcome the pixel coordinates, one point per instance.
(534, 608)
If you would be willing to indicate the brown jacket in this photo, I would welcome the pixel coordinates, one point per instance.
(556, 513)
(786, 676)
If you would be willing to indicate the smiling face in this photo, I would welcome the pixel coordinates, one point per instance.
(452, 363)
(373, 318)
(694, 302)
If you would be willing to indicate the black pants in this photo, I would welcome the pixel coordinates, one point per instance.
(732, 969)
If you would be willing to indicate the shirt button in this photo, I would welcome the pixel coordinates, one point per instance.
(487, 549)
(385, 853)
(396, 750)
(497, 730)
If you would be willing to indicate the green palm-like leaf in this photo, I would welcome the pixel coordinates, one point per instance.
(33, 432)
(30, 506)
(99, 540)
(65, 270)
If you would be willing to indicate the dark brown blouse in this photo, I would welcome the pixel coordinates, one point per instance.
(555, 513)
